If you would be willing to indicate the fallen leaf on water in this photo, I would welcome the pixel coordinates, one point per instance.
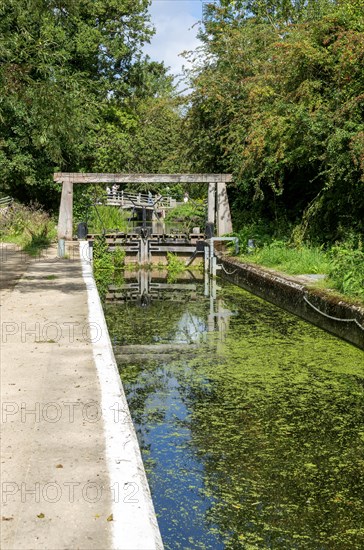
(110, 518)
(40, 516)
(97, 515)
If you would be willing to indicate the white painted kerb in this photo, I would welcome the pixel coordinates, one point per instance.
(135, 525)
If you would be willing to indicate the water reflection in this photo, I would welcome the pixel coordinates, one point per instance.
(250, 420)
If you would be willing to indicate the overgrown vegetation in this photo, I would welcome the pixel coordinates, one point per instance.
(175, 266)
(188, 215)
(28, 226)
(107, 266)
(347, 269)
(342, 263)
(106, 218)
(76, 95)
(278, 100)
(290, 259)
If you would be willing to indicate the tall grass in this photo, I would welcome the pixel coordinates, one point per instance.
(188, 215)
(28, 226)
(295, 261)
(347, 269)
(108, 218)
(343, 264)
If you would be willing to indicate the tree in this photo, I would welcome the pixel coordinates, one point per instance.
(139, 133)
(279, 102)
(59, 60)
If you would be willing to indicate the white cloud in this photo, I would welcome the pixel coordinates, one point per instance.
(176, 23)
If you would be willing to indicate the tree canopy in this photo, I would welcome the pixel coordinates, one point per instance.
(278, 100)
(75, 93)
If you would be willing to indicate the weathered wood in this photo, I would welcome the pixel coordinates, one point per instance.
(154, 348)
(224, 223)
(217, 198)
(65, 221)
(61, 177)
(211, 203)
(173, 249)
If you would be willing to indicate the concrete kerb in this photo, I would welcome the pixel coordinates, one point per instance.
(134, 524)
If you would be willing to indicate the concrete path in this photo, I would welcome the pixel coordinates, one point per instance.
(13, 263)
(56, 488)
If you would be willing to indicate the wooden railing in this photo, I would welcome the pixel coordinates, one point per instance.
(5, 202)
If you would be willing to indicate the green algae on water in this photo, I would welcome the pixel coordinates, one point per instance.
(254, 440)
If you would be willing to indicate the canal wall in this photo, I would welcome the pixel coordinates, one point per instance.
(134, 523)
(316, 306)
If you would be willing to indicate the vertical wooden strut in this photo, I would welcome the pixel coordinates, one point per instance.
(224, 223)
(65, 220)
(218, 203)
(211, 203)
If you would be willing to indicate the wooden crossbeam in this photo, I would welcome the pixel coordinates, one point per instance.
(218, 203)
(70, 177)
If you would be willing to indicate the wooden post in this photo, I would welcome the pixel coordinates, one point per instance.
(211, 203)
(65, 220)
(218, 207)
(224, 224)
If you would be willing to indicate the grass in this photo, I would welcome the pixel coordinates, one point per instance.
(342, 264)
(175, 266)
(30, 227)
(295, 261)
(107, 218)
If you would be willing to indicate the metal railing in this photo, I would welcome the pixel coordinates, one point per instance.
(130, 200)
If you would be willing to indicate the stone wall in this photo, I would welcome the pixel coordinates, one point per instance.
(334, 315)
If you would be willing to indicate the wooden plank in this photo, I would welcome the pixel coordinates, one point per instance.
(182, 248)
(75, 177)
(154, 348)
(211, 209)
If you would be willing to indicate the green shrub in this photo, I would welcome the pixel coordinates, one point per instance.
(259, 232)
(107, 265)
(119, 257)
(174, 266)
(347, 269)
(29, 226)
(188, 215)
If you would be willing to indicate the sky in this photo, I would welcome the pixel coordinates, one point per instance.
(176, 29)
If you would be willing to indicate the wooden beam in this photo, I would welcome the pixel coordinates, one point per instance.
(211, 203)
(69, 177)
(65, 220)
(224, 223)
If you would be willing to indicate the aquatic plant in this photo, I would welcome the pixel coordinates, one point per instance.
(256, 440)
